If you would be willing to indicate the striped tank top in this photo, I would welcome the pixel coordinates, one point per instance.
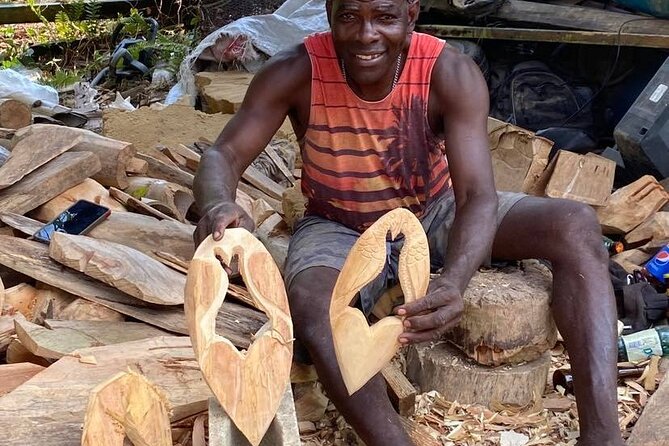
(362, 159)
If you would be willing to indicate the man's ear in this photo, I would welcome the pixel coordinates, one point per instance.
(328, 11)
(412, 13)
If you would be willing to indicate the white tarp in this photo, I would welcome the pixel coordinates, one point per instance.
(269, 34)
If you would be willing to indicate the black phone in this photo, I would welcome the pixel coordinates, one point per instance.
(78, 219)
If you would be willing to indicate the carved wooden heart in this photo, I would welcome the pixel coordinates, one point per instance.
(249, 386)
(362, 351)
(127, 405)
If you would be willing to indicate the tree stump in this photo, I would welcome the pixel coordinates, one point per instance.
(507, 318)
(14, 114)
(444, 368)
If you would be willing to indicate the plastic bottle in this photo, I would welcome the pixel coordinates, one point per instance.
(644, 344)
(612, 246)
(564, 378)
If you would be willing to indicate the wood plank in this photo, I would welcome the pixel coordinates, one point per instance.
(113, 155)
(278, 162)
(654, 229)
(32, 259)
(586, 178)
(20, 298)
(21, 223)
(191, 156)
(7, 330)
(49, 181)
(578, 17)
(401, 392)
(263, 183)
(137, 166)
(17, 353)
(137, 205)
(260, 195)
(63, 389)
(163, 171)
(652, 429)
(547, 35)
(120, 266)
(13, 375)
(61, 338)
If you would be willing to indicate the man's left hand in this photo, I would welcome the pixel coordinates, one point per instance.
(428, 318)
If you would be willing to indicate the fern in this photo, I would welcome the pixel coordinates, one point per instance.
(77, 10)
(92, 10)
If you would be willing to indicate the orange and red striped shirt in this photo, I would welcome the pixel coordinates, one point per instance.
(362, 159)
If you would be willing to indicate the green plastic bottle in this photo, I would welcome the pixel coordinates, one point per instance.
(644, 344)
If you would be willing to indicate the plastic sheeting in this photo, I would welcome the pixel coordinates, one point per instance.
(269, 34)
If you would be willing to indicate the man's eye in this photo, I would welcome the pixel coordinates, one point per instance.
(387, 18)
(346, 17)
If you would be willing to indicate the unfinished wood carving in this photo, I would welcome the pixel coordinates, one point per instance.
(127, 405)
(171, 197)
(362, 351)
(249, 386)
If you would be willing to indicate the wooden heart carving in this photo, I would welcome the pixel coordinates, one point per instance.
(362, 351)
(249, 386)
(127, 405)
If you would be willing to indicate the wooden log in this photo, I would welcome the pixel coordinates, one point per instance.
(249, 386)
(310, 401)
(280, 164)
(49, 181)
(18, 353)
(586, 178)
(362, 351)
(138, 206)
(83, 310)
(127, 405)
(507, 317)
(124, 268)
(445, 369)
(137, 166)
(222, 91)
(63, 389)
(192, 158)
(20, 298)
(631, 259)
(89, 190)
(7, 134)
(258, 194)
(178, 199)
(7, 330)
(655, 228)
(61, 338)
(420, 435)
(401, 392)
(14, 114)
(20, 223)
(50, 140)
(13, 375)
(275, 235)
(32, 258)
(651, 429)
(258, 179)
(163, 171)
(293, 204)
(631, 205)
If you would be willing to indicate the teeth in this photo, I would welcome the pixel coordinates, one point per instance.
(367, 56)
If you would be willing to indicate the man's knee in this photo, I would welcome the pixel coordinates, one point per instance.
(577, 231)
(309, 295)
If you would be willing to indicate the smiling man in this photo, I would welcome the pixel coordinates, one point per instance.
(376, 106)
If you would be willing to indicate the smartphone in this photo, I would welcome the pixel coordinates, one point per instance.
(79, 218)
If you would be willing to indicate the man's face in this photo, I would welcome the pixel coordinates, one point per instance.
(369, 35)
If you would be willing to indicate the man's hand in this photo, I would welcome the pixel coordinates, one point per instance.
(428, 318)
(219, 217)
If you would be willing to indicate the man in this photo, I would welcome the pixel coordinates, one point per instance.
(373, 105)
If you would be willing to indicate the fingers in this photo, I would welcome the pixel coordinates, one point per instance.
(426, 303)
(433, 325)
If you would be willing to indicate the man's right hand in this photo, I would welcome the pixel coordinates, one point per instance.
(219, 217)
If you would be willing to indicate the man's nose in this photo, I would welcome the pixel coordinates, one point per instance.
(367, 33)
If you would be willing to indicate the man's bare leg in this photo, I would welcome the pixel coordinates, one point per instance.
(567, 233)
(368, 410)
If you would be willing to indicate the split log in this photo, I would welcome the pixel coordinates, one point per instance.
(61, 338)
(137, 166)
(280, 164)
(62, 390)
(7, 330)
(655, 228)
(362, 351)
(14, 114)
(263, 183)
(249, 386)
(275, 235)
(163, 171)
(310, 401)
(127, 405)
(651, 429)
(443, 368)
(7, 134)
(222, 91)
(20, 298)
(192, 158)
(89, 190)
(122, 267)
(420, 435)
(586, 178)
(32, 258)
(258, 194)
(49, 181)
(631, 259)
(13, 375)
(20, 223)
(18, 353)
(293, 204)
(138, 206)
(83, 310)
(178, 199)
(631, 205)
(507, 317)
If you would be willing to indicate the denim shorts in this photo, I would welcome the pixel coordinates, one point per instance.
(317, 241)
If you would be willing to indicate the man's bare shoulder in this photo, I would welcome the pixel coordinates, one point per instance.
(286, 72)
(455, 73)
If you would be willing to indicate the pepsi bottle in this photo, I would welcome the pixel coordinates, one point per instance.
(657, 267)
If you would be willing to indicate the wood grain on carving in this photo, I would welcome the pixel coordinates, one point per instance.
(362, 351)
(120, 266)
(127, 405)
(248, 385)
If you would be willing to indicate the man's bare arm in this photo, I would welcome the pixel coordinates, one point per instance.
(269, 99)
(464, 103)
